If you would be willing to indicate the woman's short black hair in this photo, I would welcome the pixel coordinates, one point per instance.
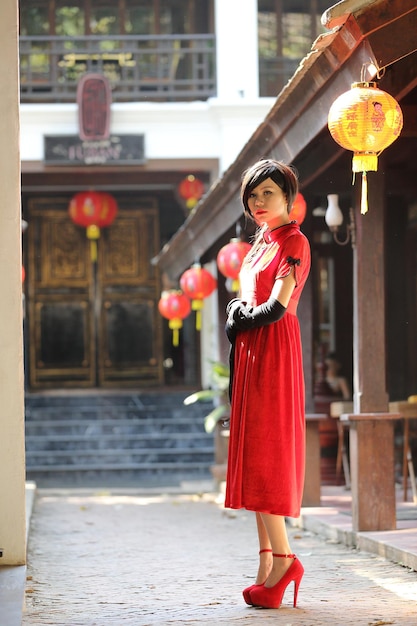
(283, 175)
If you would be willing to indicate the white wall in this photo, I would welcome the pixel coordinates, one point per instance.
(12, 448)
(194, 130)
(236, 25)
(217, 129)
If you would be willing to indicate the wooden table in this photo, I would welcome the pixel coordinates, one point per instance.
(342, 460)
(312, 491)
(407, 410)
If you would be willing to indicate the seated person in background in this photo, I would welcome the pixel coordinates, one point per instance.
(338, 384)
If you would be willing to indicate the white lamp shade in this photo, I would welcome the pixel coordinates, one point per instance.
(334, 216)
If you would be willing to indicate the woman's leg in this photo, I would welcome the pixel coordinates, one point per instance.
(265, 552)
(276, 531)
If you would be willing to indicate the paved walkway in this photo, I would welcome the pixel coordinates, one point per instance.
(137, 559)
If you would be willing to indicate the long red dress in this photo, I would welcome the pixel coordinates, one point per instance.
(265, 471)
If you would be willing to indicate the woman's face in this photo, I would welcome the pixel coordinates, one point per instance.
(268, 204)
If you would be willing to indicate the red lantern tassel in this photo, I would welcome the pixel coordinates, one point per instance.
(235, 285)
(93, 233)
(197, 306)
(175, 325)
(93, 251)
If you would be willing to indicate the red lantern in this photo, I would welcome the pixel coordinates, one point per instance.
(93, 210)
(197, 283)
(191, 189)
(299, 209)
(23, 274)
(230, 259)
(175, 307)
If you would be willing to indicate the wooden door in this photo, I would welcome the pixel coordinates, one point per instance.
(92, 324)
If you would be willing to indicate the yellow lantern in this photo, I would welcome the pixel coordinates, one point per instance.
(365, 120)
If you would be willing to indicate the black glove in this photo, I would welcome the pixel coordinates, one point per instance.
(233, 305)
(231, 328)
(245, 317)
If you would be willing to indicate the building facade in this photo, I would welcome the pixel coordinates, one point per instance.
(188, 85)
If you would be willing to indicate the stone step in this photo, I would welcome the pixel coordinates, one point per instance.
(116, 413)
(158, 476)
(98, 458)
(118, 442)
(103, 427)
(166, 466)
(140, 437)
(140, 400)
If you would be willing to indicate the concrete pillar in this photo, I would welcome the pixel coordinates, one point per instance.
(12, 448)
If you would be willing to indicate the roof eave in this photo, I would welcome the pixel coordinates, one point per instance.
(298, 116)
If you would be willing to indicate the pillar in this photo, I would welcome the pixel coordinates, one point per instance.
(371, 428)
(12, 448)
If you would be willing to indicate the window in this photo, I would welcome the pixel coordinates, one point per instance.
(286, 31)
(112, 17)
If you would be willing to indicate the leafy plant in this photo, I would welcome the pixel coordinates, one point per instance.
(220, 375)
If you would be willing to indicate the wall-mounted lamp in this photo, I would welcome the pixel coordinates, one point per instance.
(334, 220)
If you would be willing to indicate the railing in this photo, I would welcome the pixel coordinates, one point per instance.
(139, 67)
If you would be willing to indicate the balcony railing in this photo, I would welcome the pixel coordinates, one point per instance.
(139, 67)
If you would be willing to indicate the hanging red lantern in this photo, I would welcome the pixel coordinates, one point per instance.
(299, 209)
(175, 307)
(230, 259)
(93, 210)
(191, 189)
(365, 120)
(23, 274)
(197, 283)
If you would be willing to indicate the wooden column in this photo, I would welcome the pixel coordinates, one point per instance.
(371, 435)
(312, 482)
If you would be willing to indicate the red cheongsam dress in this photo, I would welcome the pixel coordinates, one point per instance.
(266, 462)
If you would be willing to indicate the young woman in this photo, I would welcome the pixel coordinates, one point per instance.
(267, 423)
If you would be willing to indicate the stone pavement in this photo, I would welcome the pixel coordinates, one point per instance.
(128, 557)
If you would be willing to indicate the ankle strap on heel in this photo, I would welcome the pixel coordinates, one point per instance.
(265, 550)
(285, 556)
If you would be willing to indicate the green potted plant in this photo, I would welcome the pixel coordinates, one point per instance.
(217, 419)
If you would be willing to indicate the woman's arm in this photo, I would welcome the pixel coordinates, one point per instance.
(244, 317)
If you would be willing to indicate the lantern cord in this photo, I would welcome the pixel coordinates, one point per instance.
(364, 198)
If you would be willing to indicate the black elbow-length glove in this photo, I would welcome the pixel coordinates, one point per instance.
(242, 317)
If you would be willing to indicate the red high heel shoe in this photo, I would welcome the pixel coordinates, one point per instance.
(271, 597)
(246, 592)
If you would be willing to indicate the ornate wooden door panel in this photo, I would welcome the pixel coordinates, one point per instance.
(128, 292)
(92, 324)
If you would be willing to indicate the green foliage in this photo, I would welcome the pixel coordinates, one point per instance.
(220, 374)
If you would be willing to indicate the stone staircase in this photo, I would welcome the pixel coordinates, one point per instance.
(144, 439)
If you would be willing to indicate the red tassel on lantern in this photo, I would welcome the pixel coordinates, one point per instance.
(197, 283)
(93, 210)
(230, 259)
(175, 307)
